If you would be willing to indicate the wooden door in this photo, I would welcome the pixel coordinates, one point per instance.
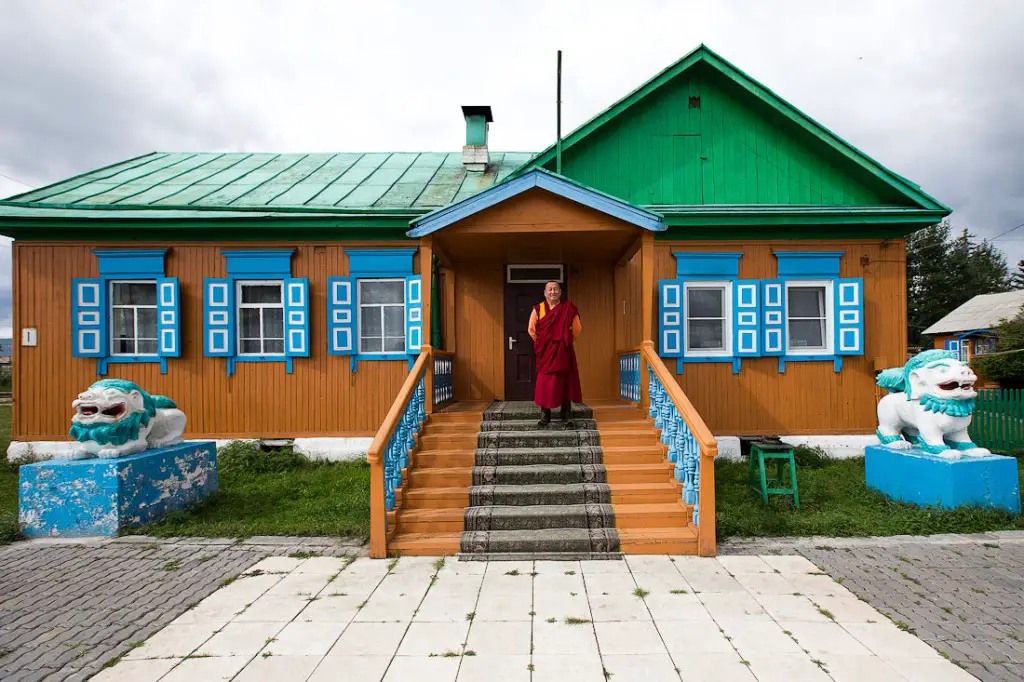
(520, 363)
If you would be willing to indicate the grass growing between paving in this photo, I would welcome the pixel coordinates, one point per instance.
(276, 493)
(8, 482)
(834, 501)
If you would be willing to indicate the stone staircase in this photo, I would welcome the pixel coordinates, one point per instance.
(491, 484)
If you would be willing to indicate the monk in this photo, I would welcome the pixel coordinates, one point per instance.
(554, 326)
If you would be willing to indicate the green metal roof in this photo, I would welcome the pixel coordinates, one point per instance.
(186, 183)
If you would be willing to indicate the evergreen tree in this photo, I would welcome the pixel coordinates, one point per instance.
(944, 272)
(1017, 278)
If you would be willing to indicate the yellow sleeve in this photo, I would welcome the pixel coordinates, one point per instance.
(577, 326)
(532, 328)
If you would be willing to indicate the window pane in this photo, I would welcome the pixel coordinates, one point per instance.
(147, 347)
(124, 346)
(134, 293)
(382, 292)
(394, 321)
(273, 323)
(394, 345)
(124, 323)
(369, 322)
(261, 293)
(273, 347)
(704, 302)
(147, 323)
(251, 346)
(705, 334)
(806, 334)
(369, 345)
(807, 302)
(250, 324)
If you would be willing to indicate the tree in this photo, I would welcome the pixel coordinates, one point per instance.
(1017, 278)
(944, 272)
(1006, 364)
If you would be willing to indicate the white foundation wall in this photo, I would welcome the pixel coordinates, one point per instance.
(839, 447)
(328, 449)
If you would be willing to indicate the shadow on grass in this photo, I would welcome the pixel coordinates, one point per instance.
(276, 493)
(834, 501)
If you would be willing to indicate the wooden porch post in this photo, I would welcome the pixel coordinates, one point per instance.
(427, 274)
(646, 310)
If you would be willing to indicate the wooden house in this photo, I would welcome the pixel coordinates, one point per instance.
(970, 329)
(740, 270)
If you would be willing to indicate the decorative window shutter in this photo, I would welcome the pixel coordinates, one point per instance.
(773, 307)
(168, 317)
(341, 316)
(746, 318)
(88, 318)
(671, 342)
(953, 345)
(296, 317)
(849, 311)
(413, 314)
(218, 318)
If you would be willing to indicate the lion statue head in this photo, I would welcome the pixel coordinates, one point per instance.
(111, 411)
(938, 379)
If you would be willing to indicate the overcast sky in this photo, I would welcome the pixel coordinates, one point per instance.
(934, 89)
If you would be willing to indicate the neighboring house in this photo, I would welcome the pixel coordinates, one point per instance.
(287, 295)
(970, 329)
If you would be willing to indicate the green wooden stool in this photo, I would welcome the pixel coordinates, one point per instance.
(781, 453)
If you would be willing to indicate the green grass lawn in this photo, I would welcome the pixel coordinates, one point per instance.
(835, 501)
(8, 482)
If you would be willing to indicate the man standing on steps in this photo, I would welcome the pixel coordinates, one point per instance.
(554, 326)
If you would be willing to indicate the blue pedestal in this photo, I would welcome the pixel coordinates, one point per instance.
(66, 498)
(931, 481)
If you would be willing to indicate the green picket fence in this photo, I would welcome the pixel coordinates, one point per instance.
(998, 422)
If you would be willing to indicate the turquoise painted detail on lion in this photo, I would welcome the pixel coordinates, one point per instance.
(930, 403)
(115, 418)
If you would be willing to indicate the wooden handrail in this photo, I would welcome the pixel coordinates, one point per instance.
(444, 353)
(375, 455)
(706, 530)
(700, 430)
(630, 351)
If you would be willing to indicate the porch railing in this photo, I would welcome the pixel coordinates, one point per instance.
(444, 391)
(392, 446)
(691, 445)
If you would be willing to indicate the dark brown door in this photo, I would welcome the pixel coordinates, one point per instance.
(520, 363)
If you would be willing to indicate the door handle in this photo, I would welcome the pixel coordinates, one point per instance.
(511, 342)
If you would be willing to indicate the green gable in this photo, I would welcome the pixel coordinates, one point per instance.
(703, 134)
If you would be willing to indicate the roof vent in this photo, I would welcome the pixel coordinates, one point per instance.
(474, 153)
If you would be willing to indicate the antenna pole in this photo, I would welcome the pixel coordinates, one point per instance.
(558, 118)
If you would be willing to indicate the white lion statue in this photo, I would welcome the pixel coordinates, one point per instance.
(116, 418)
(929, 405)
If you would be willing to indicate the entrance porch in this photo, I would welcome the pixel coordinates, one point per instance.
(460, 467)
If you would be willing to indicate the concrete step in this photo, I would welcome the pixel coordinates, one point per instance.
(553, 540)
(539, 517)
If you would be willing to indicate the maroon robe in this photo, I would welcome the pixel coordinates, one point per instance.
(558, 377)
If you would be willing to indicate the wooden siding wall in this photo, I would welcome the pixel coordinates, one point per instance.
(592, 289)
(730, 149)
(809, 398)
(628, 332)
(321, 398)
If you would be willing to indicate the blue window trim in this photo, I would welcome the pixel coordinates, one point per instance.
(377, 264)
(256, 265)
(704, 266)
(126, 265)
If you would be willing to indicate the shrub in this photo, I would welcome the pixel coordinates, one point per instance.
(247, 457)
(1005, 367)
(811, 457)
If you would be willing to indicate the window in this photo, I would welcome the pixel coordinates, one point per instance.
(381, 316)
(133, 318)
(808, 315)
(707, 315)
(984, 345)
(536, 274)
(260, 318)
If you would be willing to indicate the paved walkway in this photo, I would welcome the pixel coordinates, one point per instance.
(737, 618)
(962, 594)
(67, 608)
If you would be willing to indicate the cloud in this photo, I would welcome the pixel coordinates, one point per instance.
(930, 89)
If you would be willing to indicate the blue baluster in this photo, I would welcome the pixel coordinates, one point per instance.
(652, 392)
(389, 478)
(421, 404)
(681, 447)
(696, 488)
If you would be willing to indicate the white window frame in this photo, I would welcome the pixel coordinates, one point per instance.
(110, 310)
(828, 286)
(726, 287)
(239, 306)
(988, 351)
(359, 316)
